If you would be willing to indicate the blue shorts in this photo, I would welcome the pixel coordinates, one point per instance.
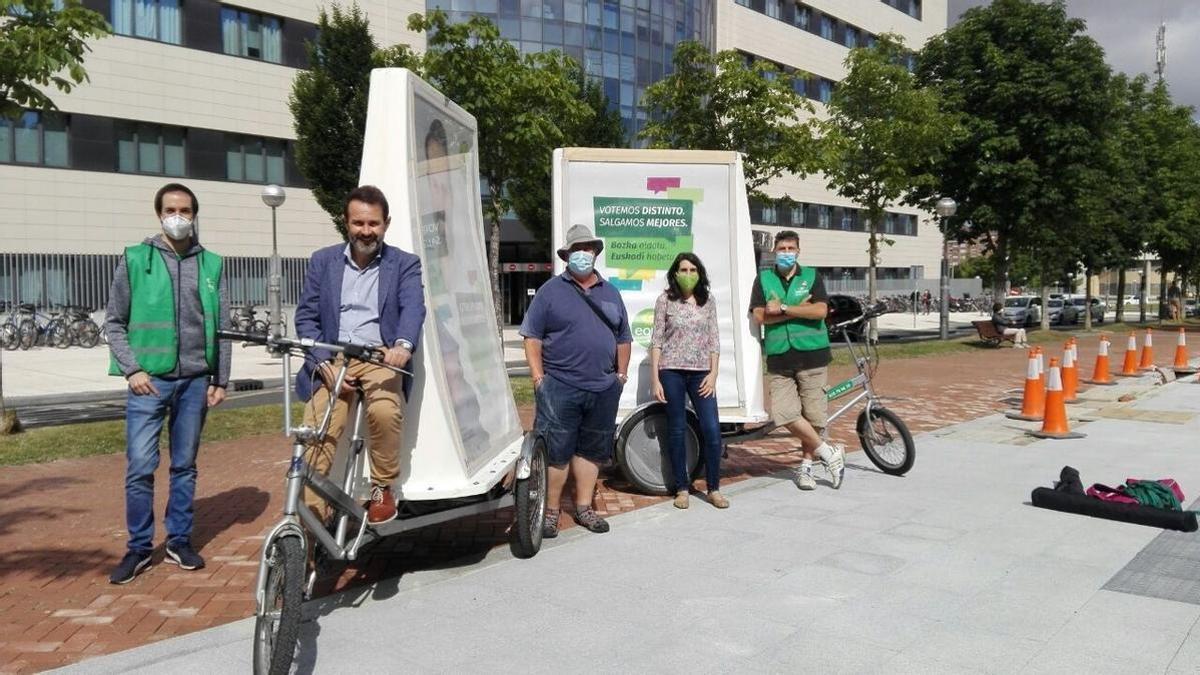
(576, 421)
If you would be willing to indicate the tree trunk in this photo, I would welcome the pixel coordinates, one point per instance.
(872, 263)
(1087, 301)
(999, 268)
(1120, 296)
(494, 257)
(1162, 293)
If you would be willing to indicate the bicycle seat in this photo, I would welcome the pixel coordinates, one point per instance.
(27, 307)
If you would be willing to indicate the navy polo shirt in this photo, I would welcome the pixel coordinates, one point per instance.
(577, 347)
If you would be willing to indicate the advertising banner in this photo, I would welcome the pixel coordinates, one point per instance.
(648, 206)
(461, 425)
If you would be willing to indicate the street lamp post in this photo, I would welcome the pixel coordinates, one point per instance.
(945, 208)
(274, 196)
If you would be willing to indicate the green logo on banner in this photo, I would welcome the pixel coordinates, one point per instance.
(643, 327)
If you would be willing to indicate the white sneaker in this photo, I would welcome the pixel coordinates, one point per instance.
(836, 465)
(804, 477)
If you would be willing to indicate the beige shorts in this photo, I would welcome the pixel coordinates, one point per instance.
(799, 393)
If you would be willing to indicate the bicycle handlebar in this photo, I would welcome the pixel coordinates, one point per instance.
(368, 354)
(879, 309)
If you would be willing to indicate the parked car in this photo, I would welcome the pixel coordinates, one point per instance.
(1190, 308)
(1098, 309)
(1021, 310)
(1060, 312)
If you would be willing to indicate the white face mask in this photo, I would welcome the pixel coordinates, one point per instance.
(177, 227)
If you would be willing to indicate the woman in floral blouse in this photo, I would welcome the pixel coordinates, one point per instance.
(684, 352)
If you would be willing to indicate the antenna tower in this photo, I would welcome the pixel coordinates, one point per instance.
(1160, 53)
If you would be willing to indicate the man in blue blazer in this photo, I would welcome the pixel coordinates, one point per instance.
(363, 292)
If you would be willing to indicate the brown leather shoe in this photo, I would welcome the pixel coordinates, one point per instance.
(382, 507)
(718, 500)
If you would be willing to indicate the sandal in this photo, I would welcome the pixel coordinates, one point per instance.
(587, 517)
(550, 524)
(718, 500)
(681, 499)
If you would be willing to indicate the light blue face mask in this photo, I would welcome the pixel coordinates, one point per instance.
(785, 261)
(580, 263)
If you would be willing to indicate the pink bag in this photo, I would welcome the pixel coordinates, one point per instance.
(1105, 493)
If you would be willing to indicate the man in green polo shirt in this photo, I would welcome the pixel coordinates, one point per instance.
(789, 302)
(164, 307)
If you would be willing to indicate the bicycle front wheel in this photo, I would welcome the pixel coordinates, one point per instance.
(87, 333)
(9, 336)
(886, 440)
(278, 624)
(27, 334)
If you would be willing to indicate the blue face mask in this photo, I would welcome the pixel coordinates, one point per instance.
(785, 261)
(580, 263)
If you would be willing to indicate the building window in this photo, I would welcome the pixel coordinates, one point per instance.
(150, 148)
(798, 215)
(851, 39)
(257, 36)
(253, 159)
(770, 213)
(889, 224)
(824, 90)
(150, 19)
(802, 18)
(824, 217)
(827, 27)
(34, 138)
(743, 3)
(774, 8)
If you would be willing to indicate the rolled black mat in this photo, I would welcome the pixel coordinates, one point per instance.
(1045, 498)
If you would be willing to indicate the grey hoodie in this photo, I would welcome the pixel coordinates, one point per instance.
(184, 273)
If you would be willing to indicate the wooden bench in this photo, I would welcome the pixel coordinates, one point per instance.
(989, 335)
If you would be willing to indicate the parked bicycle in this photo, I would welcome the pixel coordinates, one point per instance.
(10, 336)
(244, 318)
(43, 329)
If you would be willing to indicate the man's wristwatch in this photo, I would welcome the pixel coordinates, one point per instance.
(783, 309)
(404, 344)
(622, 377)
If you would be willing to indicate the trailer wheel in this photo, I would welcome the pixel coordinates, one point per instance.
(641, 449)
(530, 495)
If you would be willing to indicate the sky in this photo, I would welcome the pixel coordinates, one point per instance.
(1126, 30)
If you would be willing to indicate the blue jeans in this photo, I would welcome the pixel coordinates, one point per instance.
(679, 385)
(187, 402)
(575, 421)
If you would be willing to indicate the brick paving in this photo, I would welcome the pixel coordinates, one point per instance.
(62, 523)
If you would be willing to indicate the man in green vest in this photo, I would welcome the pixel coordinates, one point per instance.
(789, 302)
(165, 304)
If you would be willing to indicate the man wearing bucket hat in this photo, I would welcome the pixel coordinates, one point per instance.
(577, 343)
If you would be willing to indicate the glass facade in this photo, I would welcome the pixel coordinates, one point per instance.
(625, 45)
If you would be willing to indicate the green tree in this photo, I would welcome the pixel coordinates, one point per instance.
(719, 102)
(1030, 90)
(42, 47)
(530, 188)
(511, 97)
(1174, 189)
(882, 136)
(329, 105)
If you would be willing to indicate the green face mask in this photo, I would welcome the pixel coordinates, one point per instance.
(687, 280)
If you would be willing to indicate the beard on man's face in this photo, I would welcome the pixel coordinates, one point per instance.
(366, 245)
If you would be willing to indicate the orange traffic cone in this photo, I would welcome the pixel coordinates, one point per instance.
(1129, 366)
(1182, 367)
(1041, 363)
(1055, 423)
(1147, 362)
(1033, 404)
(1100, 374)
(1070, 374)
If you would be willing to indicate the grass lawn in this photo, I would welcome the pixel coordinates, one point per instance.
(102, 438)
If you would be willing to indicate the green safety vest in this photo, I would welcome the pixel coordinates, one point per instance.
(804, 335)
(153, 335)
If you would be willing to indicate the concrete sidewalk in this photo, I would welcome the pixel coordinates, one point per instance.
(946, 570)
